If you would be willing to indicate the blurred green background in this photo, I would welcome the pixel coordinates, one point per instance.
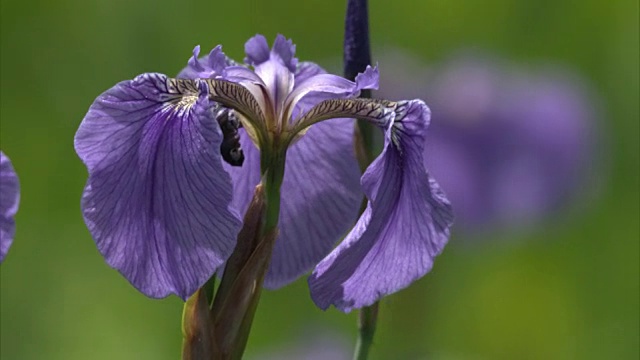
(567, 289)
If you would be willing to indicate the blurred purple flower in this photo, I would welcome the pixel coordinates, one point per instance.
(508, 145)
(313, 344)
(164, 209)
(9, 200)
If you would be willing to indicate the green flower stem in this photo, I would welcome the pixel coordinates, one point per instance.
(367, 320)
(367, 132)
(272, 181)
(229, 318)
(273, 177)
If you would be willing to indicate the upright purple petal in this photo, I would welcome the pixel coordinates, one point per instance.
(307, 69)
(207, 67)
(9, 200)
(276, 69)
(285, 50)
(257, 50)
(278, 80)
(357, 51)
(157, 201)
(320, 196)
(406, 223)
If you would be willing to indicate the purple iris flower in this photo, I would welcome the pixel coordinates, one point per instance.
(9, 200)
(164, 208)
(510, 145)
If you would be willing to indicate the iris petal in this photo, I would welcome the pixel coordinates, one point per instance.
(257, 50)
(307, 69)
(406, 223)
(208, 66)
(157, 201)
(285, 50)
(310, 90)
(9, 199)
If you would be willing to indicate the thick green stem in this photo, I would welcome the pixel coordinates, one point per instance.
(367, 319)
(273, 177)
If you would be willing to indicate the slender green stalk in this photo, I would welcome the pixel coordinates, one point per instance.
(272, 183)
(367, 134)
(367, 319)
(272, 180)
(238, 294)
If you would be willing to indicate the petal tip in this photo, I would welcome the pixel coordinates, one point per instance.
(256, 50)
(369, 79)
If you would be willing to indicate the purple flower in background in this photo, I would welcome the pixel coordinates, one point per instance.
(509, 145)
(164, 208)
(9, 200)
(308, 344)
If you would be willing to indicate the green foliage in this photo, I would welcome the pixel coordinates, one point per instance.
(567, 289)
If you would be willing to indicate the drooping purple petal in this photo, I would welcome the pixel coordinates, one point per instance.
(320, 196)
(406, 223)
(9, 200)
(157, 201)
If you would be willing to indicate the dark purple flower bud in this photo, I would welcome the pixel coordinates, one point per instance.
(9, 200)
(357, 51)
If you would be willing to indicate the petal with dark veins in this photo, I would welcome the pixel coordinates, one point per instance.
(157, 201)
(406, 223)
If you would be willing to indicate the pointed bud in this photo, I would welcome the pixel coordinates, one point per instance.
(357, 52)
(197, 329)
